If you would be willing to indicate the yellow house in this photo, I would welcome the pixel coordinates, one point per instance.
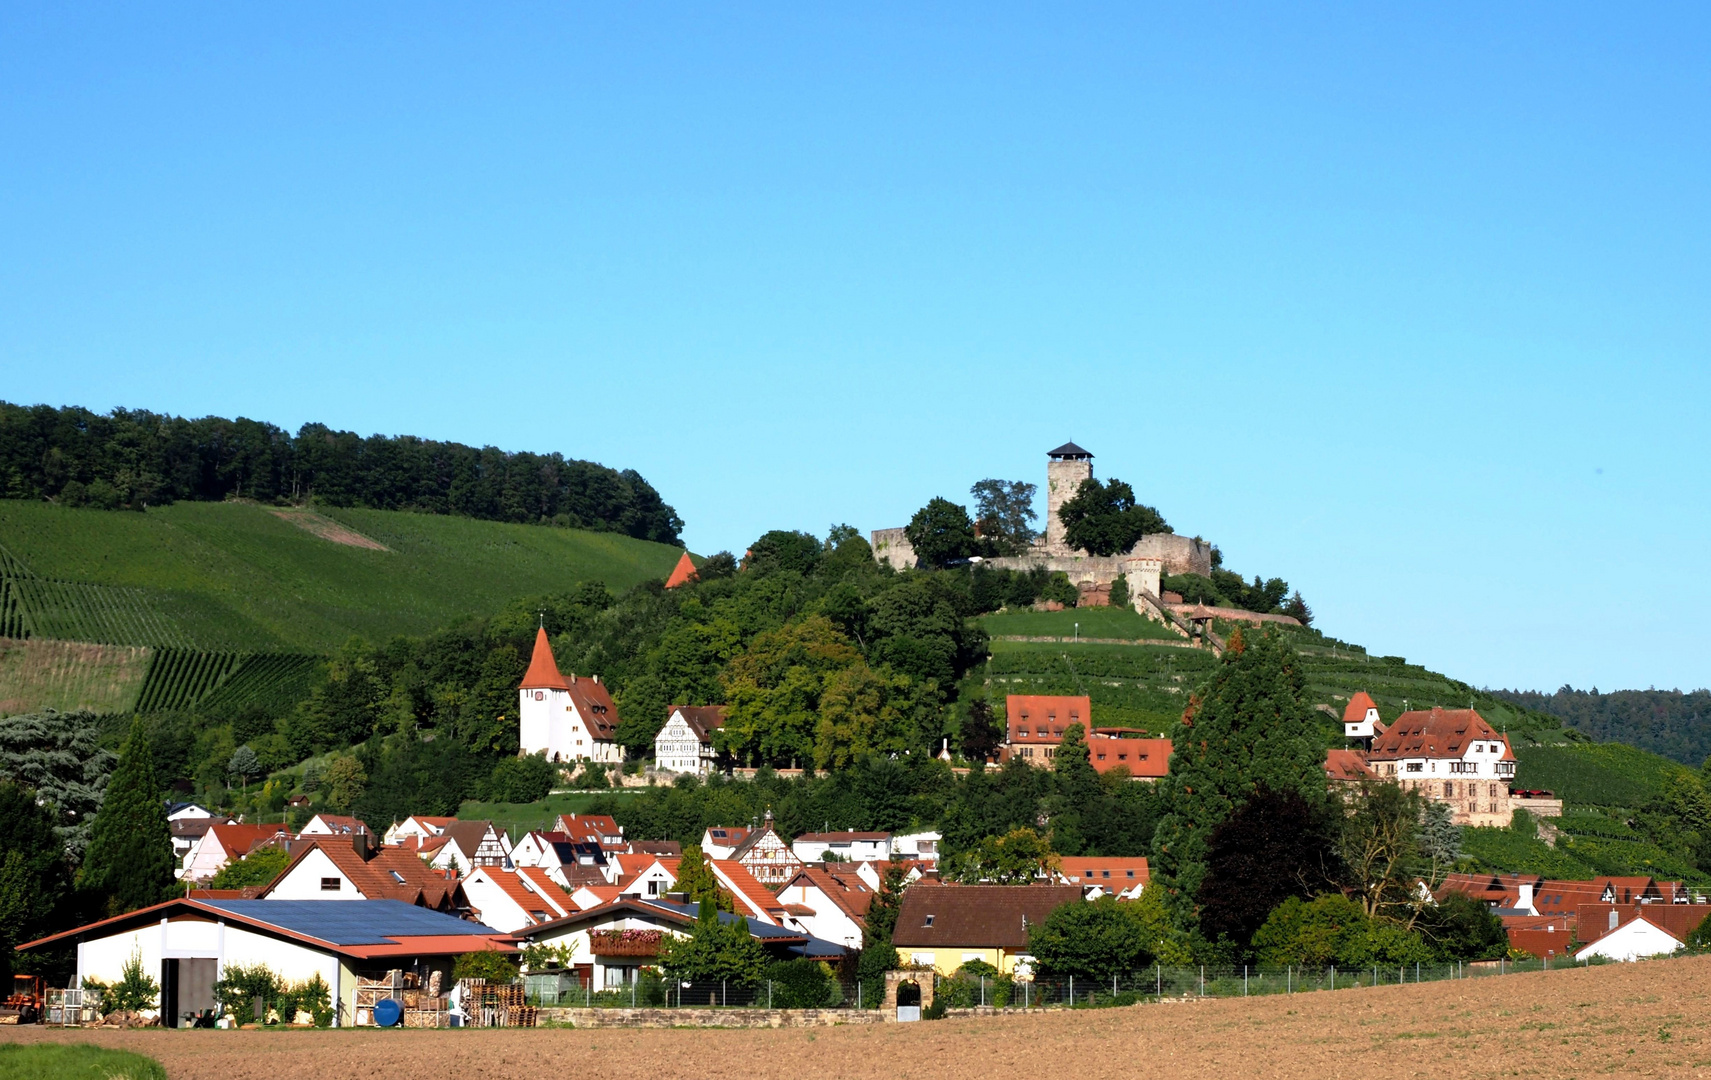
(946, 926)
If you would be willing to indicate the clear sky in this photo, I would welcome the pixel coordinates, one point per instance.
(1409, 305)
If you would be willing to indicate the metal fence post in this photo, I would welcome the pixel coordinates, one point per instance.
(1072, 991)
(769, 993)
(1202, 980)
(1333, 976)
(724, 993)
(1113, 986)
(632, 995)
(1158, 981)
(1244, 980)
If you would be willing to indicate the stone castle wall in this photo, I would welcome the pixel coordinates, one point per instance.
(892, 547)
(1063, 480)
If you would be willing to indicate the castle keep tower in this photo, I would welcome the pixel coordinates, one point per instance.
(1066, 468)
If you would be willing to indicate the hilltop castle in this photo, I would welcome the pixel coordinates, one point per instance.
(1144, 565)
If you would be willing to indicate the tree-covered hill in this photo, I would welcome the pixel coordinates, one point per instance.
(132, 458)
(1666, 722)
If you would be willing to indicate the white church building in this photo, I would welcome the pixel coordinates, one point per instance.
(568, 719)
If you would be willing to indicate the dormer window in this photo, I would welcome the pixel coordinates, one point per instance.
(929, 921)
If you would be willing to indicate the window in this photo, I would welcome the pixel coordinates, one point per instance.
(1131, 873)
(1414, 766)
(1105, 873)
(397, 877)
(929, 921)
(330, 884)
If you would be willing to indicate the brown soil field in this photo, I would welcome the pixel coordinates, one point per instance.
(1629, 1020)
(328, 529)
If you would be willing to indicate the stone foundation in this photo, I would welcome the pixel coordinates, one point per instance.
(712, 1018)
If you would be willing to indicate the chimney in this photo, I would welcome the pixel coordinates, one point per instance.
(596, 679)
(1613, 918)
(1526, 903)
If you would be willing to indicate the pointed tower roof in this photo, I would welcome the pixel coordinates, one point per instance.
(683, 573)
(1355, 711)
(1071, 452)
(543, 669)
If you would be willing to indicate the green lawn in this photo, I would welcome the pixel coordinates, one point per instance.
(235, 576)
(1093, 622)
(518, 818)
(74, 1061)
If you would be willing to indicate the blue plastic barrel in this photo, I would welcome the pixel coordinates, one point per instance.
(387, 1012)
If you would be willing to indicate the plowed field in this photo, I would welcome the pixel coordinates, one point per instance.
(1651, 1019)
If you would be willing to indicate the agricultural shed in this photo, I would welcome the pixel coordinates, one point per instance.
(185, 945)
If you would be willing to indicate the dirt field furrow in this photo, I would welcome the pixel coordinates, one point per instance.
(1651, 1019)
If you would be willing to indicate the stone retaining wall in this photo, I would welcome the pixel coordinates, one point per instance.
(710, 1018)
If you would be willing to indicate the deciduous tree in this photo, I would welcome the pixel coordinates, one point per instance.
(940, 533)
(1093, 940)
(1104, 519)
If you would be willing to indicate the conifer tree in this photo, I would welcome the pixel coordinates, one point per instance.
(129, 861)
(1247, 728)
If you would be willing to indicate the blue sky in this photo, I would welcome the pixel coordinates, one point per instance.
(1408, 307)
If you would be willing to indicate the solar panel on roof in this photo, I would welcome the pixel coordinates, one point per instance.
(353, 922)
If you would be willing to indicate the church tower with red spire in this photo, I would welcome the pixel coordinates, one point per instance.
(567, 719)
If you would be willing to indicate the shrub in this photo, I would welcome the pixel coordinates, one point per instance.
(800, 984)
(240, 986)
(521, 779)
(487, 964)
(135, 990)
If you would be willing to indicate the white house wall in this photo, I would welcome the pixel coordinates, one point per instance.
(104, 958)
(304, 881)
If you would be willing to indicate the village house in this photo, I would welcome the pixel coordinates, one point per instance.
(638, 874)
(333, 868)
(761, 850)
(186, 945)
(1035, 724)
(1635, 939)
(511, 900)
(223, 844)
(1119, 876)
(599, 829)
(829, 902)
(572, 863)
(722, 841)
(752, 897)
(685, 743)
(946, 926)
(465, 845)
(1451, 756)
(919, 847)
(1360, 717)
(568, 720)
(531, 848)
(612, 943)
(846, 846)
(416, 830)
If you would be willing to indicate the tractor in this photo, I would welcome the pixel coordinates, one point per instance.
(25, 1004)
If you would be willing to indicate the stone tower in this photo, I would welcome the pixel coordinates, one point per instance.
(1066, 468)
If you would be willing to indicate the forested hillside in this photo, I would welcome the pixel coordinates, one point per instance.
(1666, 722)
(131, 458)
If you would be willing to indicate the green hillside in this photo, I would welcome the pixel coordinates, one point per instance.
(239, 577)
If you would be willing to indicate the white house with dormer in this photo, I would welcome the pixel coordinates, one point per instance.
(685, 743)
(1360, 717)
(567, 719)
(1452, 756)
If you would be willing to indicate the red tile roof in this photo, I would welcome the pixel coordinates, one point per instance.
(393, 874)
(1439, 733)
(540, 897)
(1149, 758)
(1056, 712)
(1349, 765)
(1121, 873)
(683, 573)
(747, 888)
(976, 916)
(543, 669)
(591, 829)
(237, 840)
(846, 889)
(702, 719)
(1355, 711)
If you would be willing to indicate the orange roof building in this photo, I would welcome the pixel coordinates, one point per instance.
(1452, 756)
(568, 719)
(1360, 717)
(683, 573)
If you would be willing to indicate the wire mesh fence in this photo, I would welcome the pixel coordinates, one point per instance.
(966, 991)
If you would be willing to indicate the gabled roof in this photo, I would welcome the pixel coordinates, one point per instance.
(1144, 758)
(361, 929)
(529, 888)
(1120, 873)
(590, 828)
(846, 889)
(465, 835)
(595, 707)
(543, 669)
(683, 573)
(669, 848)
(1069, 450)
(726, 835)
(748, 890)
(1347, 765)
(1055, 709)
(976, 916)
(237, 840)
(1438, 733)
(341, 824)
(1355, 711)
(702, 719)
(393, 874)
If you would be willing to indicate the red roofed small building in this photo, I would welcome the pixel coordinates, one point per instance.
(1347, 768)
(753, 898)
(567, 719)
(828, 902)
(1452, 756)
(600, 829)
(223, 844)
(1360, 717)
(511, 900)
(333, 869)
(683, 573)
(1034, 727)
(1122, 877)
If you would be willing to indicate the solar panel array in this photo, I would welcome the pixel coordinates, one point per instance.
(353, 922)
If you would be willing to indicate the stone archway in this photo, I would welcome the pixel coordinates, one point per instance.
(922, 979)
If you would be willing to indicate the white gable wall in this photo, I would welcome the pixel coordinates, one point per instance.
(304, 881)
(1633, 940)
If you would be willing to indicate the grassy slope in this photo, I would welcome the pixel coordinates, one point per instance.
(70, 675)
(76, 1061)
(518, 818)
(232, 575)
(1099, 622)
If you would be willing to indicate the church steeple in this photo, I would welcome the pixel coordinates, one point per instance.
(543, 669)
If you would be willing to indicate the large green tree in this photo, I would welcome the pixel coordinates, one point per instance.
(1004, 514)
(1249, 727)
(1275, 846)
(33, 876)
(940, 533)
(129, 861)
(1093, 940)
(59, 757)
(1104, 519)
(717, 948)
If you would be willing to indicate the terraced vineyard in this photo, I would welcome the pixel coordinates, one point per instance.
(231, 603)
